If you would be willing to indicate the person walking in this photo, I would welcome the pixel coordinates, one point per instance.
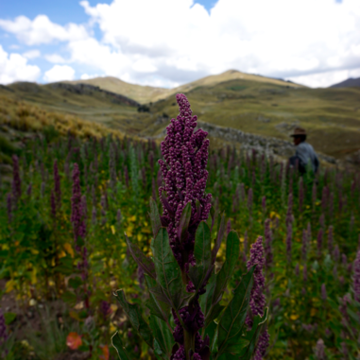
(304, 153)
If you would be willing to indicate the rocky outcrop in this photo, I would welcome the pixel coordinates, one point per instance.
(269, 145)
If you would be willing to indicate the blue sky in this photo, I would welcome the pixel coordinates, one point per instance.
(60, 12)
(170, 42)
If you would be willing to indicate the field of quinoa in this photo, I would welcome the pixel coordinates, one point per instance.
(81, 222)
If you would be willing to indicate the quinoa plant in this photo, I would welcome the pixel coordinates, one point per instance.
(187, 319)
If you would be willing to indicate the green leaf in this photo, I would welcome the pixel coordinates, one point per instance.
(224, 275)
(163, 336)
(118, 345)
(168, 271)
(219, 238)
(237, 347)
(143, 261)
(233, 319)
(211, 218)
(69, 297)
(157, 306)
(9, 317)
(202, 247)
(215, 312)
(211, 331)
(206, 299)
(184, 221)
(217, 286)
(228, 357)
(202, 254)
(197, 275)
(66, 266)
(154, 217)
(135, 317)
(253, 335)
(75, 282)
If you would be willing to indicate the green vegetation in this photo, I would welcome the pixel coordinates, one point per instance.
(40, 261)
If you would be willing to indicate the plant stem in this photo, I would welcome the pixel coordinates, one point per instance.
(189, 343)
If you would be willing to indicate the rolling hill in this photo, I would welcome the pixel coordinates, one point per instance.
(81, 100)
(347, 83)
(331, 116)
(147, 94)
(228, 104)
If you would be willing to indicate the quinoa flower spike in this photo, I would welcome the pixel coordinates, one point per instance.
(180, 275)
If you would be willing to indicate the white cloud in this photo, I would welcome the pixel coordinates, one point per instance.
(183, 42)
(32, 54)
(168, 42)
(325, 79)
(87, 77)
(41, 30)
(55, 58)
(59, 73)
(144, 65)
(14, 67)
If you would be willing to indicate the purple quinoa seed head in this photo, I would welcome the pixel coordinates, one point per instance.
(228, 226)
(257, 298)
(320, 350)
(323, 292)
(344, 259)
(77, 212)
(331, 239)
(9, 206)
(336, 253)
(268, 245)
(250, 200)
(57, 186)
(262, 345)
(319, 242)
(356, 277)
(16, 184)
(184, 175)
(289, 242)
(263, 204)
(53, 204)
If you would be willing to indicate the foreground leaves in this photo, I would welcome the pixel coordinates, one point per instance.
(143, 261)
(218, 282)
(202, 254)
(232, 321)
(168, 271)
(118, 345)
(164, 341)
(135, 317)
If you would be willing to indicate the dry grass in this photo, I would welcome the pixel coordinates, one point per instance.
(25, 117)
(142, 94)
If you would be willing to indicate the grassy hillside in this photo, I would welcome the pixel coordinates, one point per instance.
(90, 104)
(20, 121)
(142, 94)
(146, 94)
(251, 103)
(331, 116)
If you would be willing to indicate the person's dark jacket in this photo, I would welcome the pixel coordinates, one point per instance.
(305, 152)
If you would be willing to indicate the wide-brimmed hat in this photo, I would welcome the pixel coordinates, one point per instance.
(299, 132)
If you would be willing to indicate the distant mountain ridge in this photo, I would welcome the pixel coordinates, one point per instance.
(147, 94)
(347, 83)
